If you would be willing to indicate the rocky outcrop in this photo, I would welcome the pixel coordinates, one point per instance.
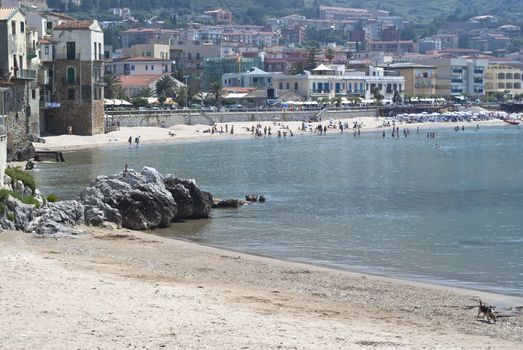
(135, 200)
(21, 151)
(192, 202)
(143, 200)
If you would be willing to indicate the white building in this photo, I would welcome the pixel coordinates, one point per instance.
(13, 47)
(139, 66)
(335, 81)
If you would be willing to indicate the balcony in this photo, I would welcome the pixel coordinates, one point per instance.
(3, 130)
(26, 74)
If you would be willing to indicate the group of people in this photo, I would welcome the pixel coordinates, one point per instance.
(136, 141)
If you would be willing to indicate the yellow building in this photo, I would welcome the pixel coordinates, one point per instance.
(503, 78)
(420, 79)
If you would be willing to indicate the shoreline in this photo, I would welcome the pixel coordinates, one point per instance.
(500, 297)
(109, 288)
(194, 133)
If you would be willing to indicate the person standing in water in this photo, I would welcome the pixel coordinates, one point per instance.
(130, 140)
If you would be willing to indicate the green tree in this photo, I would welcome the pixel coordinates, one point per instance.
(377, 95)
(330, 54)
(146, 92)
(112, 85)
(165, 87)
(397, 97)
(313, 50)
(217, 91)
(140, 102)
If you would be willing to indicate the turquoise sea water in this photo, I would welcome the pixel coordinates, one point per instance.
(396, 207)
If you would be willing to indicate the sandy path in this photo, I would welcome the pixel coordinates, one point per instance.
(117, 289)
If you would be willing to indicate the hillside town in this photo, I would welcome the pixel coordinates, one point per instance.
(58, 75)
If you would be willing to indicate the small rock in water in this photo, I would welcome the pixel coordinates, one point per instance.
(251, 198)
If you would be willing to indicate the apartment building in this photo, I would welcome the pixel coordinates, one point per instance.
(420, 80)
(505, 78)
(458, 76)
(18, 74)
(75, 85)
(138, 66)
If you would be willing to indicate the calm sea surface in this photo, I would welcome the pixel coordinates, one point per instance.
(396, 207)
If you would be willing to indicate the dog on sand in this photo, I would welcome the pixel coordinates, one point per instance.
(487, 311)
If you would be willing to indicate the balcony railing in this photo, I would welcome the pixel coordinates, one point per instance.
(26, 74)
(3, 130)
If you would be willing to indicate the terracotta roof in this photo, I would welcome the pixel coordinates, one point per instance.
(7, 13)
(72, 25)
(139, 80)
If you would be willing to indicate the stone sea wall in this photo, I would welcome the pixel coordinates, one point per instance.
(136, 118)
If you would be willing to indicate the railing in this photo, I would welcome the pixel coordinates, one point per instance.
(296, 109)
(29, 74)
(3, 130)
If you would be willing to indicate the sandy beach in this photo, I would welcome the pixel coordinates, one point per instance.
(123, 289)
(149, 135)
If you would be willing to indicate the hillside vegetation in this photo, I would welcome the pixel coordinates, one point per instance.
(254, 11)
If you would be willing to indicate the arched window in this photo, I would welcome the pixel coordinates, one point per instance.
(71, 76)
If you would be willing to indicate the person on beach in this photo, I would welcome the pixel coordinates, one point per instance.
(325, 129)
(130, 140)
(226, 129)
(137, 141)
(232, 128)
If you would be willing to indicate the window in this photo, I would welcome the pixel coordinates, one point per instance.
(13, 27)
(100, 55)
(280, 86)
(288, 86)
(197, 56)
(295, 86)
(189, 56)
(71, 50)
(33, 94)
(152, 66)
(46, 49)
(49, 25)
(71, 76)
(132, 66)
(70, 94)
(22, 27)
(146, 67)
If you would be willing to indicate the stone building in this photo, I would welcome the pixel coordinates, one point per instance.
(75, 79)
(20, 95)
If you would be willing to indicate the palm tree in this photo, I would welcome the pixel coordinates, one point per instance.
(146, 92)
(112, 85)
(185, 95)
(165, 87)
(330, 54)
(119, 93)
(217, 91)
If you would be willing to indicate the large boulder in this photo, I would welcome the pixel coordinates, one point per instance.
(192, 202)
(135, 200)
(147, 206)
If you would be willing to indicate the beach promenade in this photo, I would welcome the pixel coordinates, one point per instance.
(122, 289)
